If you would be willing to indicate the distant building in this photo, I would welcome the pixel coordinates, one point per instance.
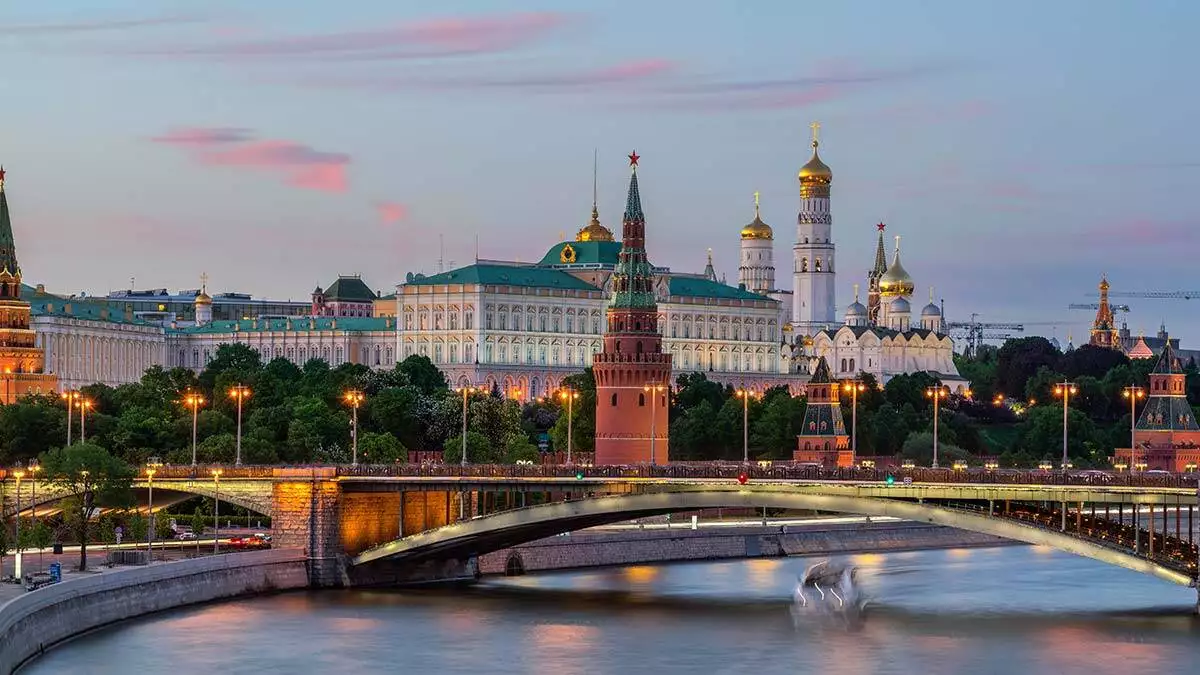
(1166, 436)
(348, 296)
(823, 439)
(1104, 326)
(161, 306)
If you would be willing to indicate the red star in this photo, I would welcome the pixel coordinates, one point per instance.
(881, 227)
(1, 174)
(633, 158)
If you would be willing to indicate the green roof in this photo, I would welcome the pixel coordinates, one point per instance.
(504, 275)
(586, 253)
(87, 309)
(296, 325)
(351, 289)
(699, 287)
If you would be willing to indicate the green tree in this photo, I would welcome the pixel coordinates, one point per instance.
(41, 536)
(1040, 434)
(91, 478)
(31, 426)
(479, 450)
(1020, 359)
(919, 448)
(243, 361)
(218, 448)
(773, 433)
(136, 527)
(381, 448)
(423, 375)
(397, 412)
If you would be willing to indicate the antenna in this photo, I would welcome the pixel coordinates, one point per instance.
(595, 160)
(476, 247)
(441, 253)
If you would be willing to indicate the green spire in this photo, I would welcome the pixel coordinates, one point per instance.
(8, 248)
(633, 279)
(880, 256)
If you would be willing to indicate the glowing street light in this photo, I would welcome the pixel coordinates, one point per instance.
(746, 395)
(569, 395)
(72, 399)
(936, 393)
(18, 474)
(239, 393)
(354, 398)
(84, 406)
(193, 401)
(151, 468)
(216, 474)
(998, 401)
(654, 389)
(1133, 394)
(854, 387)
(1065, 390)
(465, 391)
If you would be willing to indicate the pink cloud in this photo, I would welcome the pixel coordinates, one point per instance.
(620, 73)
(391, 212)
(300, 165)
(432, 38)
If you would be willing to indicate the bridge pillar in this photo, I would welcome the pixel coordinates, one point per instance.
(305, 508)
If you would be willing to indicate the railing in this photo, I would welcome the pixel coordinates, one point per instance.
(711, 470)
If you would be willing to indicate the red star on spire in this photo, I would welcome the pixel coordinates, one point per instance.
(881, 227)
(1, 174)
(633, 158)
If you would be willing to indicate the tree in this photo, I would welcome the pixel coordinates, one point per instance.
(919, 448)
(29, 427)
(1019, 359)
(1091, 361)
(218, 448)
(479, 450)
(774, 431)
(423, 374)
(381, 448)
(242, 360)
(197, 527)
(91, 477)
(40, 537)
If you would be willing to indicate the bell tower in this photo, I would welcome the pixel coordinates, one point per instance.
(813, 302)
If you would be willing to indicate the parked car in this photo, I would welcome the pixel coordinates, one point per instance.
(185, 535)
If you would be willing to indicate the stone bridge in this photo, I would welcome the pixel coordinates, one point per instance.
(396, 524)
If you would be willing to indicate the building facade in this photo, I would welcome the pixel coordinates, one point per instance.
(22, 362)
(348, 296)
(1166, 436)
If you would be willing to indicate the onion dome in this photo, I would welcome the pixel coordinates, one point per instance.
(594, 231)
(856, 310)
(900, 306)
(757, 229)
(815, 169)
(203, 298)
(931, 310)
(896, 281)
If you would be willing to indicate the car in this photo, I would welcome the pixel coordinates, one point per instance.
(186, 535)
(1157, 472)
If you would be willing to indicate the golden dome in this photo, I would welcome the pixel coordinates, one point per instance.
(203, 298)
(1104, 283)
(815, 169)
(757, 230)
(594, 231)
(896, 281)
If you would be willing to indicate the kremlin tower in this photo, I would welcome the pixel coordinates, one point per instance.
(633, 375)
(1104, 327)
(823, 437)
(757, 270)
(1166, 436)
(813, 303)
(21, 360)
(877, 272)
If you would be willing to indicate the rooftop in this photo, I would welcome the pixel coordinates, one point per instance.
(505, 275)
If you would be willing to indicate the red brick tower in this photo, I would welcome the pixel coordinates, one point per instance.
(1166, 436)
(632, 373)
(823, 437)
(1104, 327)
(21, 360)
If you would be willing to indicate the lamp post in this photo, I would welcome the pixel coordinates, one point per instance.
(854, 387)
(239, 393)
(216, 474)
(654, 388)
(18, 474)
(1065, 390)
(465, 391)
(151, 468)
(936, 393)
(1133, 394)
(569, 395)
(746, 395)
(34, 468)
(84, 405)
(71, 397)
(354, 399)
(194, 401)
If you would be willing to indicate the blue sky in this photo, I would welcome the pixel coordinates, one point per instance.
(1021, 148)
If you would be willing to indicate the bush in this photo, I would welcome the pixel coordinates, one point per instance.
(919, 448)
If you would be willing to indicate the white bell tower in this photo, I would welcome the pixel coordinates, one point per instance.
(814, 306)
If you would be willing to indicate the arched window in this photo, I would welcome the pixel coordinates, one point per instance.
(614, 400)
(641, 400)
(804, 264)
(843, 365)
(852, 368)
(639, 346)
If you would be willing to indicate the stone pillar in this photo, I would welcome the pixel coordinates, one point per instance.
(305, 508)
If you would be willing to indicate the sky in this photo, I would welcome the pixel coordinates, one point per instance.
(1021, 149)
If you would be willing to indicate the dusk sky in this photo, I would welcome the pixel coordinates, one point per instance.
(1020, 148)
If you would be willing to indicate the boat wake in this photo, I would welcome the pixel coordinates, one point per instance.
(829, 592)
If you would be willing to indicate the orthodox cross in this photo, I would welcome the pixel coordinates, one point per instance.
(816, 129)
(203, 280)
(756, 203)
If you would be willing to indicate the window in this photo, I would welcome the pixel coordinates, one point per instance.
(469, 320)
(453, 321)
(804, 264)
(529, 322)
(487, 321)
(554, 353)
(378, 356)
(529, 354)
(595, 324)
(487, 353)
(724, 332)
(641, 400)
(467, 353)
(542, 355)
(339, 354)
(437, 353)
(503, 351)
(570, 325)
(453, 353)
(408, 321)
(503, 321)
(437, 321)
(852, 368)
(557, 325)
(614, 400)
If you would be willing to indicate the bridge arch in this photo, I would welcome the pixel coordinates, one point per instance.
(251, 495)
(509, 528)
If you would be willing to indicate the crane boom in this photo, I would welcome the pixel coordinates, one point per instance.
(1155, 295)
(1095, 305)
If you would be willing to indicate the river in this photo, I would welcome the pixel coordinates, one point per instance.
(991, 610)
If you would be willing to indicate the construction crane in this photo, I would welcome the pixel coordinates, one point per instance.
(1154, 295)
(1095, 306)
(974, 332)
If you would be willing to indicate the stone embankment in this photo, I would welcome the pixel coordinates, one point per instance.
(34, 622)
(597, 548)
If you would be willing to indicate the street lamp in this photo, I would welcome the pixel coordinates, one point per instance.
(465, 391)
(354, 399)
(71, 397)
(746, 395)
(1133, 394)
(936, 393)
(84, 406)
(854, 387)
(569, 395)
(998, 401)
(193, 401)
(1065, 390)
(654, 389)
(216, 474)
(239, 393)
(151, 468)
(18, 474)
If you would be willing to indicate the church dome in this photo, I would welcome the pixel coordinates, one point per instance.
(594, 231)
(757, 230)
(203, 298)
(931, 310)
(856, 310)
(900, 306)
(815, 169)
(896, 280)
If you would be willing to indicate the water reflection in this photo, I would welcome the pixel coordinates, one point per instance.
(1005, 610)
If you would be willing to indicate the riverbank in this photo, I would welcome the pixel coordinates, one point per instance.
(603, 548)
(34, 622)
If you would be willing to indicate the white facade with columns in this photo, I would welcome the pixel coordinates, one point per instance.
(85, 351)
